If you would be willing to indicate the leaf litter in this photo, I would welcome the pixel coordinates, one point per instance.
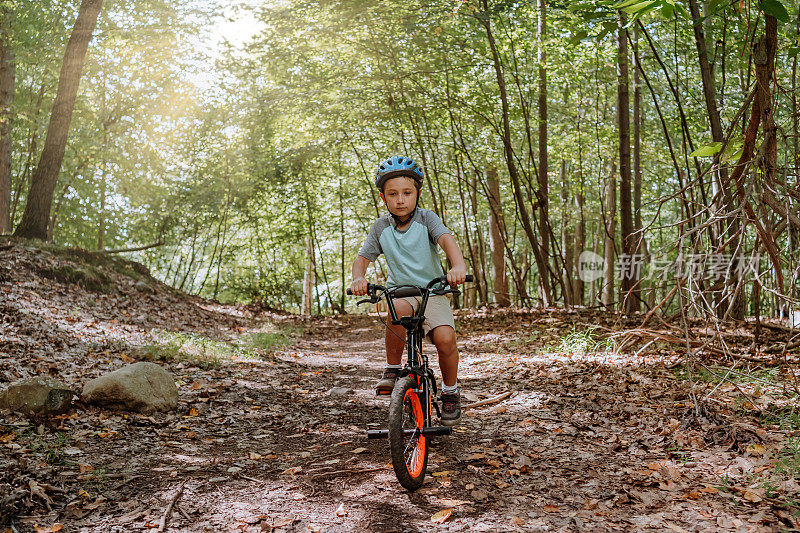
(588, 439)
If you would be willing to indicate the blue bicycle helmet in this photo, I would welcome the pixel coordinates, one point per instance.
(398, 166)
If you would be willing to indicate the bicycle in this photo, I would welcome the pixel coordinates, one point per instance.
(414, 393)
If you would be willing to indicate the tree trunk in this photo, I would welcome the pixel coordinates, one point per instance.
(308, 278)
(566, 239)
(543, 171)
(579, 244)
(480, 252)
(7, 73)
(496, 227)
(40, 196)
(628, 261)
(610, 233)
(637, 145)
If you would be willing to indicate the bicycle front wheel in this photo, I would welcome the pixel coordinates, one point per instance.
(408, 445)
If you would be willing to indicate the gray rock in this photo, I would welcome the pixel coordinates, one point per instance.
(143, 387)
(340, 391)
(40, 396)
(141, 286)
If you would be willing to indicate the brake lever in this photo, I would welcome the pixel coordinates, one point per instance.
(367, 301)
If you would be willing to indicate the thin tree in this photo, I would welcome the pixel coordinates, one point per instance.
(629, 268)
(7, 74)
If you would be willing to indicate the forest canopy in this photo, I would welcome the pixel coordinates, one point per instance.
(632, 155)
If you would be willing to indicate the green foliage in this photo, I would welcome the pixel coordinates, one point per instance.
(236, 156)
(50, 447)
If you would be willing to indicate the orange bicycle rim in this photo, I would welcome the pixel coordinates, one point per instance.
(417, 460)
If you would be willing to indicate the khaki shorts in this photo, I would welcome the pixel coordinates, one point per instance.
(437, 312)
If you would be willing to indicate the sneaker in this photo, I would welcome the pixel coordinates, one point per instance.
(386, 383)
(451, 408)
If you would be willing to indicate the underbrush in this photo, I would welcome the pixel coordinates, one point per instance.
(583, 341)
(770, 396)
(208, 353)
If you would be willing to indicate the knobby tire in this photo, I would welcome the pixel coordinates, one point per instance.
(409, 452)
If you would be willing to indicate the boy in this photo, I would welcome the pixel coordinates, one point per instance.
(408, 236)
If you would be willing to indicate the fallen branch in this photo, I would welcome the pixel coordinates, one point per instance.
(348, 471)
(488, 401)
(134, 249)
(162, 524)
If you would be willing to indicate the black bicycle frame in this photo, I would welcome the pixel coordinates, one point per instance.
(417, 363)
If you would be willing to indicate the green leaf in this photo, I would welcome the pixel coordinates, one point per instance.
(707, 150)
(608, 27)
(732, 152)
(578, 37)
(667, 11)
(626, 3)
(774, 8)
(714, 4)
(793, 51)
(640, 8)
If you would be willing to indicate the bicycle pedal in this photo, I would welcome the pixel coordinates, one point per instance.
(383, 392)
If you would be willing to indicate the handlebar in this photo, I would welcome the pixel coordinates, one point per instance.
(413, 291)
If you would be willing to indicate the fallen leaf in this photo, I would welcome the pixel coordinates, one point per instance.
(754, 495)
(359, 450)
(550, 508)
(255, 456)
(756, 449)
(517, 520)
(292, 471)
(442, 516)
(479, 495)
(453, 503)
(38, 490)
(283, 522)
(341, 511)
(441, 473)
(52, 529)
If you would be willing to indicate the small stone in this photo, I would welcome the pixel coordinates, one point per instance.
(141, 286)
(37, 396)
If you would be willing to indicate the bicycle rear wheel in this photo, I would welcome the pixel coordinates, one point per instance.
(408, 445)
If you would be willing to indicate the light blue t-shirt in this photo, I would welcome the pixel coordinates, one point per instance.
(412, 254)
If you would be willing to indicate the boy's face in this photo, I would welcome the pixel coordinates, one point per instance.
(400, 195)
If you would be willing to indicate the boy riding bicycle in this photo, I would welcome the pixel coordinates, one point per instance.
(408, 236)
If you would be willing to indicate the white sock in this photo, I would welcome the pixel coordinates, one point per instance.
(394, 367)
(446, 389)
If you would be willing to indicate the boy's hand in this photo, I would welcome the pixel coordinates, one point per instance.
(457, 275)
(359, 287)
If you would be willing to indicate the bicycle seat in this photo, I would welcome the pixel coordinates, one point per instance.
(404, 292)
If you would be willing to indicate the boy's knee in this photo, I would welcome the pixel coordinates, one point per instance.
(402, 308)
(444, 337)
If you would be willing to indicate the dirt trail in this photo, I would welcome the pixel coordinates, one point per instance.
(587, 441)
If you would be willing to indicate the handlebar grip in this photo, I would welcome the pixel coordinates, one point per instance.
(469, 278)
(348, 292)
